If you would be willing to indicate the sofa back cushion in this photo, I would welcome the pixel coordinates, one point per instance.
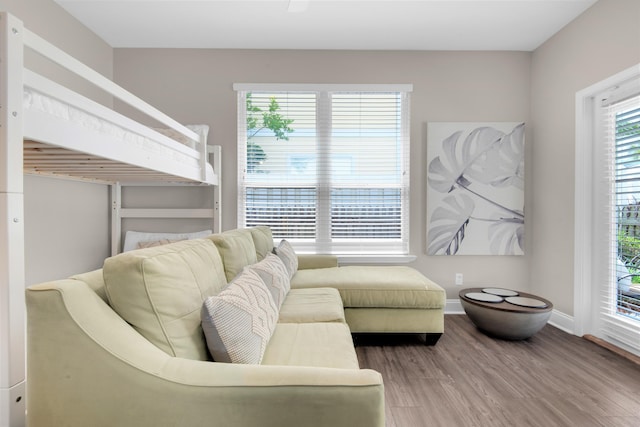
(95, 280)
(160, 292)
(237, 250)
(263, 240)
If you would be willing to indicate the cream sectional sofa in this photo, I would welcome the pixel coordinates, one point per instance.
(124, 345)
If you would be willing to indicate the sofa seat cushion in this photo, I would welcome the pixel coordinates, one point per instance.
(375, 286)
(160, 292)
(326, 345)
(312, 305)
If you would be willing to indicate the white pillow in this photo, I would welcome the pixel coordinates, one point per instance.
(132, 238)
(154, 243)
(288, 256)
(275, 275)
(239, 322)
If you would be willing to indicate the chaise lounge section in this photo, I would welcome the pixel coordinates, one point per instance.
(377, 299)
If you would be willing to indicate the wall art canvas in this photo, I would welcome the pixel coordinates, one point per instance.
(475, 189)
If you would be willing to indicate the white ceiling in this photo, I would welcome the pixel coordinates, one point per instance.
(325, 24)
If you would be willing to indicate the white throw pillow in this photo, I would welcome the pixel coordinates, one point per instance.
(275, 275)
(239, 321)
(132, 238)
(154, 243)
(288, 256)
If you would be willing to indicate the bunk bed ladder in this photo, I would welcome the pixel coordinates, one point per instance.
(215, 154)
(116, 218)
(12, 267)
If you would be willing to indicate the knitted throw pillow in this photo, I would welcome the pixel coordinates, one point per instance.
(240, 320)
(275, 275)
(288, 256)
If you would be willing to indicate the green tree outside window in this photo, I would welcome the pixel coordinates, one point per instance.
(258, 120)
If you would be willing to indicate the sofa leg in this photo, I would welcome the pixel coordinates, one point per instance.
(432, 339)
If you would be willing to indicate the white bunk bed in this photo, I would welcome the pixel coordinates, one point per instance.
(48, 129)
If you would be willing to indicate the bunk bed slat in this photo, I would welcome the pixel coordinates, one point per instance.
(166, 213)
(42, 159)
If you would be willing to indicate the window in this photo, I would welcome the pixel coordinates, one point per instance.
(623, 124)
(326, 166)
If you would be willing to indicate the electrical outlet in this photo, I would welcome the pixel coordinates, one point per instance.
(459, 278)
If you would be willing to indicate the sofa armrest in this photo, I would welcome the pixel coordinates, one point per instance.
(87, 366)
(309, 261)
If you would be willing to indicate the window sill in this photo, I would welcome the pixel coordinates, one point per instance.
(374, 259)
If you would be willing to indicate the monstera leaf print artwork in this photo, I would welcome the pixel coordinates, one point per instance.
(449, 222)
(475, 189)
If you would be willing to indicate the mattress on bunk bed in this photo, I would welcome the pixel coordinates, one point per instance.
(185, 150)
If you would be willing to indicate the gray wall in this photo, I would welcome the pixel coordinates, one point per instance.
(599, 43)
(196, 86)
(66, 223)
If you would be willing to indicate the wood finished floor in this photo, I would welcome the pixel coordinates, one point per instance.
(469, 379)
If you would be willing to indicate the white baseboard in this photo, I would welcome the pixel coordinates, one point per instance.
(453, 307)
(562, 321)
(558, 319)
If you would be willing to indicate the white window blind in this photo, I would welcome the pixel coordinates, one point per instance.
(619, 303)
(326, 167)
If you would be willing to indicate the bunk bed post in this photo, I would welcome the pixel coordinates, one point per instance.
(116, 218)
(203, 149)
(216, 152)
(12, 277)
